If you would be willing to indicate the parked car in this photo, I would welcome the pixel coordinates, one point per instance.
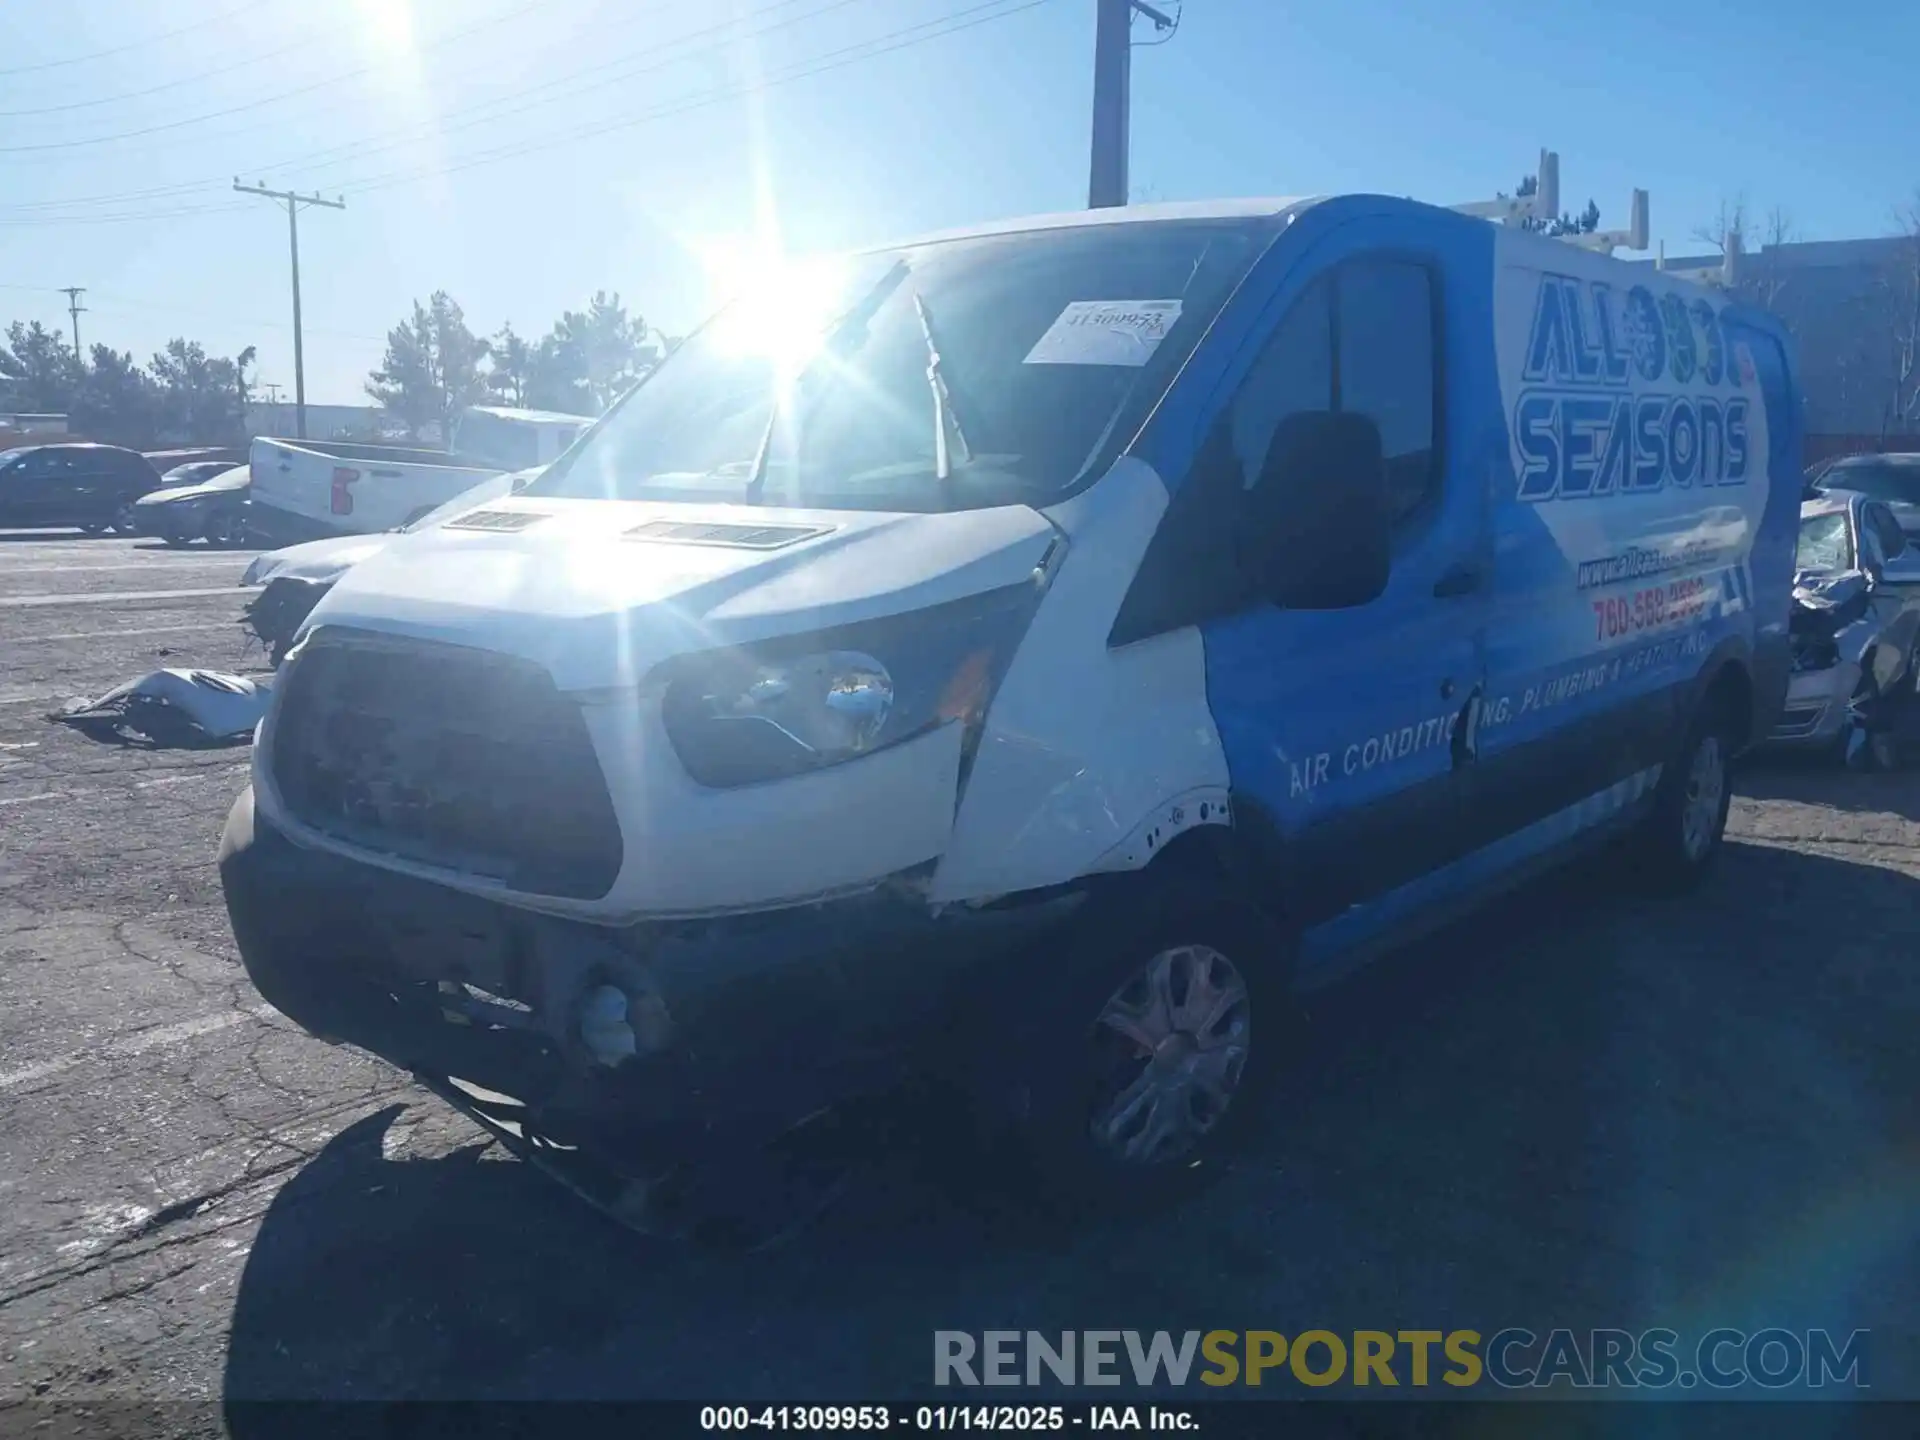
(1855, 623)
(195, 471)
(313, 489)
(293, 579)
(1893, 478)
(73, 485)
(214, 510)
(165, 460)
(1146, 660)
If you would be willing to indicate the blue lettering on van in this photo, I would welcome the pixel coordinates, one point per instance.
(1736, 466)
(1583, 427)
(1649, 442)
(1581, 446)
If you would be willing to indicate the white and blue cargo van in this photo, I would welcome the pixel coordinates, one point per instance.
(1036, 653)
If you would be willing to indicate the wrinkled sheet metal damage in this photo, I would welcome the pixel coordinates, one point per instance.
(174, 709)
(275, 615)
(1833, 612)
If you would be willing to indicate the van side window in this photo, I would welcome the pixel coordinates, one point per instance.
(1294, 373)
(1361, 340)
(1384, 321)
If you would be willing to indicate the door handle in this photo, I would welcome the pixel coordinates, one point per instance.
(1462, 579)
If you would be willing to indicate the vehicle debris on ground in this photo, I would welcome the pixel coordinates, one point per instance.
(171, 709)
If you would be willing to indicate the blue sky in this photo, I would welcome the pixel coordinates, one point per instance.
(703, 149)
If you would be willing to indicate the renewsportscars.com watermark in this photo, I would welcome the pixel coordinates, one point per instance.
(1512, 1359)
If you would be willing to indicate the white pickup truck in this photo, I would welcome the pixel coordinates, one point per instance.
(311, 489)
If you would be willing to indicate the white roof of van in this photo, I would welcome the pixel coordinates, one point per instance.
(529, 417)
(1121, 215)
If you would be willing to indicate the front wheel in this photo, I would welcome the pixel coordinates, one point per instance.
(224, 530)
(1146, 1063)
(126, 519)
(1682, 836)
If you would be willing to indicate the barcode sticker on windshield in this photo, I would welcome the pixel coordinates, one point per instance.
(1105, 332)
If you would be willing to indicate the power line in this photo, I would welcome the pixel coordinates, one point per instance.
(136, 44)
(293, 203)
(869, 50)
(76, 310)
(273, 99)
(302, 43)
(115, 302)
(873, 48)
(437, 130)
(360, 149)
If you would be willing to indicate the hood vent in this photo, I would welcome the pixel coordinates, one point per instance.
(738, 537)
(498, 522)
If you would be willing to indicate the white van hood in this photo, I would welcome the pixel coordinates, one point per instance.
(580, 593)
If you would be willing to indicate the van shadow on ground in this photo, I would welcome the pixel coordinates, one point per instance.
(1578, 1109)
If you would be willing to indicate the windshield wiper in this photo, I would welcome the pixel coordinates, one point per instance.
(944, 413)
(852, 322)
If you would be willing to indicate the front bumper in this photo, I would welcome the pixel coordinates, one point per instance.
(752, 1023)
(171, 521)
(1818, 707)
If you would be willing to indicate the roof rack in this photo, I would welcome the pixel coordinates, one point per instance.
(1543, 206)
(1723, 272)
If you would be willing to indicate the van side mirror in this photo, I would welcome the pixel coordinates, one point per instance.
(1316, 528)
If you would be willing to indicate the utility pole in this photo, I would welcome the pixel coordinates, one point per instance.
(272, 387)
(293, 202)
(76, 310)
(1112, 83)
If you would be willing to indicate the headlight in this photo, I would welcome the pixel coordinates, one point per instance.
(1817, 654)
(766, 712)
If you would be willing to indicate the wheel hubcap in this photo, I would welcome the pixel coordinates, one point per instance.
(1173, 1045)
(1706, 788)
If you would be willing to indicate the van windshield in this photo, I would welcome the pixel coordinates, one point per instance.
(1044, 346)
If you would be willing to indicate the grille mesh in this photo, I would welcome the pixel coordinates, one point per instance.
(449, 756)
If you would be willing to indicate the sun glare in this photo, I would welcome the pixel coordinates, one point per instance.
(777, 306)
(385, 27)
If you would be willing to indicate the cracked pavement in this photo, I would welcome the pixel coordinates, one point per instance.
(1583, 1108)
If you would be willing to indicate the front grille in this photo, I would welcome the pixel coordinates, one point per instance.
(499, 522)
(453, 757)
(741, 537)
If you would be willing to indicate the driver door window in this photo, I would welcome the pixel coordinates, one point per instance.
(1360, 340)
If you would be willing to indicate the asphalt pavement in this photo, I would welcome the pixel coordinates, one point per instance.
(1584, 1108)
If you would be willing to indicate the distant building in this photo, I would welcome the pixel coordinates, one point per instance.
(324, 422)
(31, 429)
(1849, 304)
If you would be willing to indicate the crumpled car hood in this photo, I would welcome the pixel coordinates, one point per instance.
(317, 561)
(1827, 589)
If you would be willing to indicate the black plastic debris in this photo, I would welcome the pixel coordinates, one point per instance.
(275, 615)
(172, 709)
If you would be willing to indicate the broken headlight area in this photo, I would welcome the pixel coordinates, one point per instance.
(775, 710)
(275, 615)
(1816, 652)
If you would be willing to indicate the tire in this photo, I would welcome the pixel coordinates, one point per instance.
(1099, 1120)
(1679, 843)
(126, 520)
(93, 529)
(222, 531)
